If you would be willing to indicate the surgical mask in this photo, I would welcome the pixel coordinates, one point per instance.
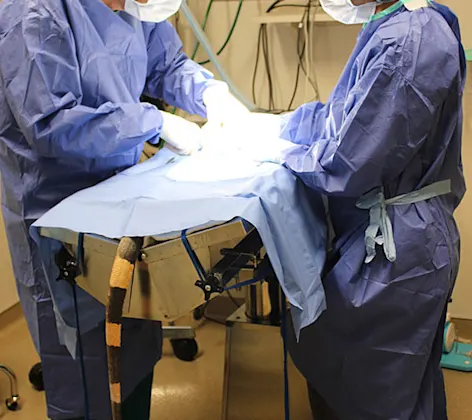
(152, 11)
(345, 12)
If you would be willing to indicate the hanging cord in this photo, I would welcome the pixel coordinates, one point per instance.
(274, 5)
(205, 21)
(308, 47)
(284, 341)
(302, 55)
(263, 44)
(256, 65)
(230, 33)
(299, 66)
(80, 262)
(81, 355)
(266, 53)
(313, 83)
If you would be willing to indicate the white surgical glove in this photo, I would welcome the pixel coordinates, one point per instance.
(256, 137)
(183, 137)
(249, 129)
(256, 127)
(222, 107)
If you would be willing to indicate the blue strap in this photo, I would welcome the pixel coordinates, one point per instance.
(80, 262)
(260, 277)
(380, 230)
(191, 253)
(256, 279)
(81, 355)
(201, 273)
(284, 341)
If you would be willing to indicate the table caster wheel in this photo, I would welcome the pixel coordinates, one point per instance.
(13, 403)
(36, 377)
(185, 349)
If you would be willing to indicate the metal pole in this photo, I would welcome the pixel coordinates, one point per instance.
(258, 305)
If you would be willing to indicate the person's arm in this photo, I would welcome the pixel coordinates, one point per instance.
(364, 143)
(298, 126)
(41, 80)
(172, 76)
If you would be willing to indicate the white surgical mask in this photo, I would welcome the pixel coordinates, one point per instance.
(153, 10)
(345, 12)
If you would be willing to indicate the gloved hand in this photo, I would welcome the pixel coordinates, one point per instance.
(183, 137)
(256, 127)
(222, 107)
(256, 136)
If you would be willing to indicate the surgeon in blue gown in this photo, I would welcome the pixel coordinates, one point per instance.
(391, 127)
(71, 76)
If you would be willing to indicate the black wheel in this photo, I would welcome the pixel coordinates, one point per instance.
(185, 349)
(36, 377)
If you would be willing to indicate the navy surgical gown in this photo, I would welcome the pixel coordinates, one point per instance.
(394, 121)
(71, 76)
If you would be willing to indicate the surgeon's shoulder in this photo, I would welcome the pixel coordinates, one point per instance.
(163, 29)
(45, 15)
(163, 36)
(424, 47)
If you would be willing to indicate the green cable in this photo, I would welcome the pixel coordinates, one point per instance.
(230, 34)
(207, 14)
(228, 38)
(468, 55)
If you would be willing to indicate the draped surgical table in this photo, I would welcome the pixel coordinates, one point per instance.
(207, 220)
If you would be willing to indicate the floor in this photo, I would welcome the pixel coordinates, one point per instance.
(182, 390)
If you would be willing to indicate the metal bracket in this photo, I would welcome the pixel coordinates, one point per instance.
(68, 266)
(210, 285)
(245, 255)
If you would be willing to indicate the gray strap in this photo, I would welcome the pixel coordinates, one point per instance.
(380, 231)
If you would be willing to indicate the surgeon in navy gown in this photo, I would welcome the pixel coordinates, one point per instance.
(391, 127)
(71, 76)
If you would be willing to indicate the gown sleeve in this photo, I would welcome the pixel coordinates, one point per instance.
(383, 123)
(42, 84)
(172, 76)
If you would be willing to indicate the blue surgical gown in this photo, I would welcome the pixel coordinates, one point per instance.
(71, 76)
(394, 121)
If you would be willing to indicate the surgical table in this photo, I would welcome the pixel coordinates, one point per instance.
(200, 233)
(171, 274)
(224, 252)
